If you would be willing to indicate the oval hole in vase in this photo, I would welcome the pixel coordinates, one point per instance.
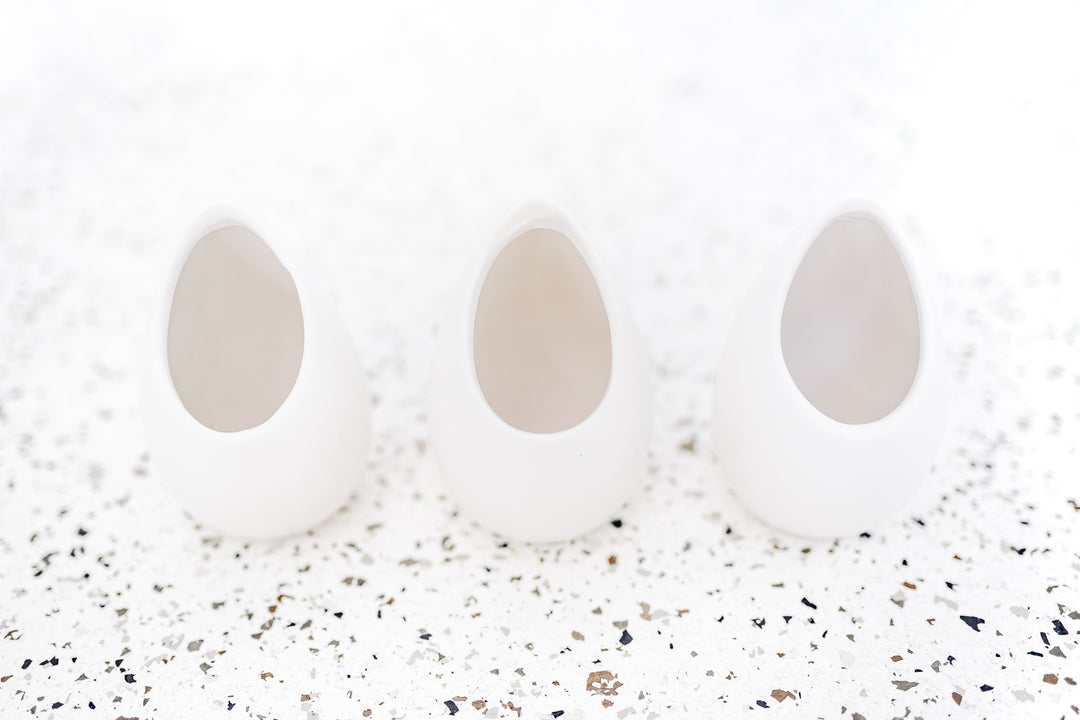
(541, 338)
(850, 326)
(236, 331)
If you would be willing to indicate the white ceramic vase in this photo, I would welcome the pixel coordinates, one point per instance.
(830, 398)
(254, 398)
(540, 394)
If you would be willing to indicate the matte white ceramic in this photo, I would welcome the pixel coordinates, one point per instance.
(540, 394)
(830, 398)
(254, 398)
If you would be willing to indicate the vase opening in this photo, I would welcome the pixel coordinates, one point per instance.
(236, 331)
(541, 337)
(850, 329)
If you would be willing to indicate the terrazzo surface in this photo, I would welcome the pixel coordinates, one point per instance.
(690, 142)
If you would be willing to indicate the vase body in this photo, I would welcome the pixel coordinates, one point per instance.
(540, 395)
(254, 398)
(830, 398)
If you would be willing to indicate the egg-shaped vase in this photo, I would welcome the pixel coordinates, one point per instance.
(540, 394)
(254, 398)
(830, 397)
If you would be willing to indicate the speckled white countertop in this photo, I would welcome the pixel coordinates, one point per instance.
(691, 141)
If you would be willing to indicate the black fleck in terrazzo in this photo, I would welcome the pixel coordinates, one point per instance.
(124, 125)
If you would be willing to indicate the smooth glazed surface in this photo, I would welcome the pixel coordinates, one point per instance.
(540, 395)
(252, 392)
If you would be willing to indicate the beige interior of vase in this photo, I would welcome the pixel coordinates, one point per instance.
(541, 341)
(850, 327)
(236, 332)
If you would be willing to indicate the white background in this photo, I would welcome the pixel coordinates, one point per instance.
(691, 140)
